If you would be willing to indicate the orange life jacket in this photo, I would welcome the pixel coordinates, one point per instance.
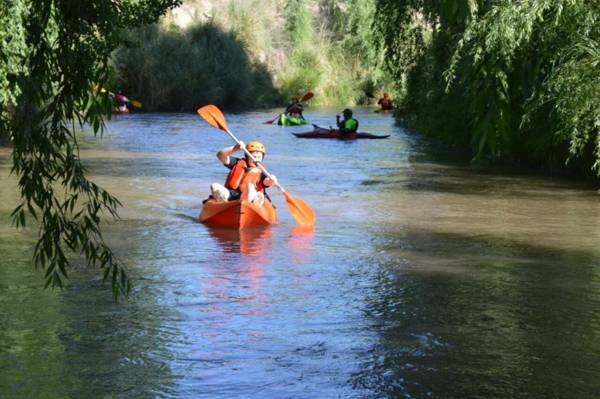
(241, 175)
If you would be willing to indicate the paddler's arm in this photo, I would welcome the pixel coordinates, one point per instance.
(224, 154)
(268, 182)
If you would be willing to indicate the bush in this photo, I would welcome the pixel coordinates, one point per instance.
(174, 69)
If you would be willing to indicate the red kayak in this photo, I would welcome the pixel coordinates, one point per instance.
(237, 214)
(322, 133)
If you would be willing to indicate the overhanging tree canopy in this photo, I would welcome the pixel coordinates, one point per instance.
(53, 53)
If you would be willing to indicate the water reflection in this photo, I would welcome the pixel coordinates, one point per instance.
(300, 244)
(460, 316)
(114, 348)
(252, 241)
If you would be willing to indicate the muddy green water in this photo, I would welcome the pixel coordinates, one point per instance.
(423, 278)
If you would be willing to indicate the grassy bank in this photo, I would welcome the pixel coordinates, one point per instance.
(249, 54)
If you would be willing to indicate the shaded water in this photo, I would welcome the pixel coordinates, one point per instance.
(423, 278)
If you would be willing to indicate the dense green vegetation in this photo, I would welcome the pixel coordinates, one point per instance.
(53, 53)
(177, 69)
(245, 54)
(340, 62)
(516, 80)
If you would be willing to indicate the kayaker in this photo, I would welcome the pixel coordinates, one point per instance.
(295, 108)
(386, 102)
(348, 125)
(121, 101)
(245, 179)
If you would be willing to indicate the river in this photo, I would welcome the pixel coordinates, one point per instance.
(424, 277)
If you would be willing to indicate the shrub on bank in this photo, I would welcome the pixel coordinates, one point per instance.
(174, 69)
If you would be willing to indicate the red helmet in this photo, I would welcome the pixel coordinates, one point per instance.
(295, 98)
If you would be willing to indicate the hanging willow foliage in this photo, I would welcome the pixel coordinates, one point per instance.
(56, 52)
(516, 80)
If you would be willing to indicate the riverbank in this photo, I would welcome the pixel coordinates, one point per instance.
(516, 82)
(461, 151)
(253, 54)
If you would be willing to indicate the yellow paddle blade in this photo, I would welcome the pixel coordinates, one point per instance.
(98, 88)
(300, 210)
(213, 116)
(136, 103)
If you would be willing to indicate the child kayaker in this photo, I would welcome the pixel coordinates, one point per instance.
(295, 108)
(348, 125)
(245, 179)
(386, 102)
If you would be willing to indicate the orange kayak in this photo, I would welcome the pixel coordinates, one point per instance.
(237, 214)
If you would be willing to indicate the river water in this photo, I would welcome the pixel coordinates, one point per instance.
(423, 277)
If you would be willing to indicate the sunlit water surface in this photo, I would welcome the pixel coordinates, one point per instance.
(423, 277)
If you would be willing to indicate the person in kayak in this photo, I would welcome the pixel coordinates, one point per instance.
(245, 179)
(348, 125)
(121, 101)
(386, 102)
(295, 108)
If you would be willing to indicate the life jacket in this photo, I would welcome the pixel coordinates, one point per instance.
(242, 175)
(121, 99)
(386, 103)
(349, 125)
(294, 108)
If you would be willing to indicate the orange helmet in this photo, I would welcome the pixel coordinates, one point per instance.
(256, 146)
(295, 98)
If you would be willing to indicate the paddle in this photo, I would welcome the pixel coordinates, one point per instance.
(304, 98)
(270, 122)
(307, 96)
(300, 210)
(319, 127)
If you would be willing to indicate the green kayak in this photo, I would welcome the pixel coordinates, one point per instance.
(285, 120)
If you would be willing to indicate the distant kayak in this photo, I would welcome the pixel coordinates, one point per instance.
(117, 111)
(284, 120)
(237, 214)
(322, 133)
(384, 110)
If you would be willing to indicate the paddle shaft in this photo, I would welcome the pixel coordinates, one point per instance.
(260, 165)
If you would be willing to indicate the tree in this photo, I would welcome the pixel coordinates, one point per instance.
(517, 80)
(54, 52)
